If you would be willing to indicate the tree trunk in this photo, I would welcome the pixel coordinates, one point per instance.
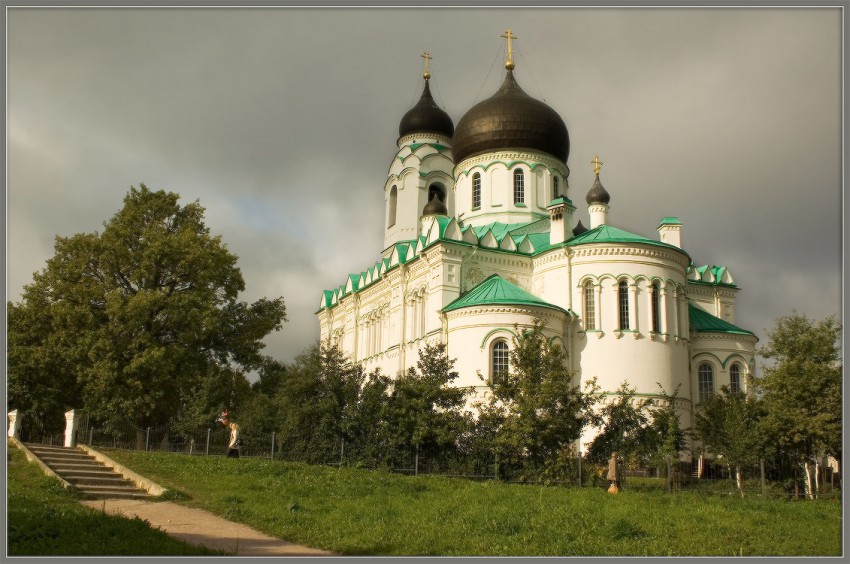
(818, 470)
(807, 468)
(739, 477)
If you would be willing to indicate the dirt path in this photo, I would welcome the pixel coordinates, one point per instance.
(199, 527)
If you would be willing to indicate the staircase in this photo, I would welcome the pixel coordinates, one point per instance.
(86, 474)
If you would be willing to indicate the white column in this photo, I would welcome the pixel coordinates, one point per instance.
(14, 424)
(663, 307)
(676, 312)
(72, 421)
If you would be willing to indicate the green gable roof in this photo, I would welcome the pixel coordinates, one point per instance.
(703, 322)
(497, 290)
(608, 234)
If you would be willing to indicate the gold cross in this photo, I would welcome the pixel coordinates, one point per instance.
(427, 73)
(597, 164)
(508, 35)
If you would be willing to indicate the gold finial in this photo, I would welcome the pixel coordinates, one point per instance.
(427, 74)
(508, 35)
(597, 164)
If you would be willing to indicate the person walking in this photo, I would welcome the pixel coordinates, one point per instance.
(235, 441)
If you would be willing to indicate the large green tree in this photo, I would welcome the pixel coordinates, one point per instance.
(424, 410)
(801, 390)
(728, 424)
(130, 322)
(536, 412)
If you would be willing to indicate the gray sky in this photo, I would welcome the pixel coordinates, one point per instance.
(283, 123)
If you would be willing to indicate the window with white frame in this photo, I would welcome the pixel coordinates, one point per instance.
(555, 191)
(476, 190)
(519, 186)
(623, 304)
(705, 374)
(735, 378)
(589, 307)
(499, 359)
(655, 297)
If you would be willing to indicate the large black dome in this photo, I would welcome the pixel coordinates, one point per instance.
(426, 117)
(510, 119)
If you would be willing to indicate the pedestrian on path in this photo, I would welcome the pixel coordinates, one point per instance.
(235, 441)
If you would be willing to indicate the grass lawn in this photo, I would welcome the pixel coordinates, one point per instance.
(359, 512)
(46, 519)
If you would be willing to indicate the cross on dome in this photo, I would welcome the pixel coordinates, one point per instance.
(427, 74)
(597, 164)
(509, 35)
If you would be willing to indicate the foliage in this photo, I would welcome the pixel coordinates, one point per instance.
(423, 410)
(664, 438)
(46, 519)
(624, 420)
(535, 413)
(728, 426)
(131, 321)
(317, 402)
(357, 512)
(802, 390)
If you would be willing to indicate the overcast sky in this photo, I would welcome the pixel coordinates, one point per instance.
(282, 122)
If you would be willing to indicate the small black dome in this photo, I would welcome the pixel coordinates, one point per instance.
(579, 229)
(435, 207)
(426, 117)
(510, 119)
(598, 194)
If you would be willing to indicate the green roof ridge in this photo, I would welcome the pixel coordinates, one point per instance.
(703, 322)
(609, 234)
(497, 290)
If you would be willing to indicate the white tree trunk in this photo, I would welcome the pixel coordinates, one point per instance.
(808, 467)
(739, 476)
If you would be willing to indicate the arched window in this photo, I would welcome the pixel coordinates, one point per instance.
(499, 362)
(519, 186)
(589, 307)
(735, 378)
(476, 190)
(391, 207)
(655, 296)
(555, 192)
(623, 304)
(706, 381)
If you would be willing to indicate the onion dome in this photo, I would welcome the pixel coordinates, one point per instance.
(435, 207)
(510, 119)
(426, 117)
(597, 193)
(579, 229)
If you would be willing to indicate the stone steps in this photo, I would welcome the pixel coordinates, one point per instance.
(85, 474)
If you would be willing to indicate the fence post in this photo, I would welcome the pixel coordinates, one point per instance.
(72, 421)
(416, 462)
(761, 468)
(342, 452)
(669, 477)
(579, 468)
(147, 439)
(208, 441)
(91, 435)
(272, 457)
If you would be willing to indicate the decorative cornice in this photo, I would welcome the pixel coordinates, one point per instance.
(510, 158)
(541, 312)
(628, 249)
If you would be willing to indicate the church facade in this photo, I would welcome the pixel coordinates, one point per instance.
(480, 241)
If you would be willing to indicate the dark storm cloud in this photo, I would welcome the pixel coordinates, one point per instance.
(283, 122)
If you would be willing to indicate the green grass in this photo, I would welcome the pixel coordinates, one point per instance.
(46, 519)
(358, 512)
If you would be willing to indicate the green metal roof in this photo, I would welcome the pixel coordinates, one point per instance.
(703, 322)
(499, 229)
(669, 220)
(497, 290)
(608, 234)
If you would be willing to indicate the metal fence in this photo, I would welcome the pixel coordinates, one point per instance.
(774, 478)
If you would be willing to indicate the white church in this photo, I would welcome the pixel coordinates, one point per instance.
(480, 240)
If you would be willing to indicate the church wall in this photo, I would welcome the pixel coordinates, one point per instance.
(721, 351)
(473, 331)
